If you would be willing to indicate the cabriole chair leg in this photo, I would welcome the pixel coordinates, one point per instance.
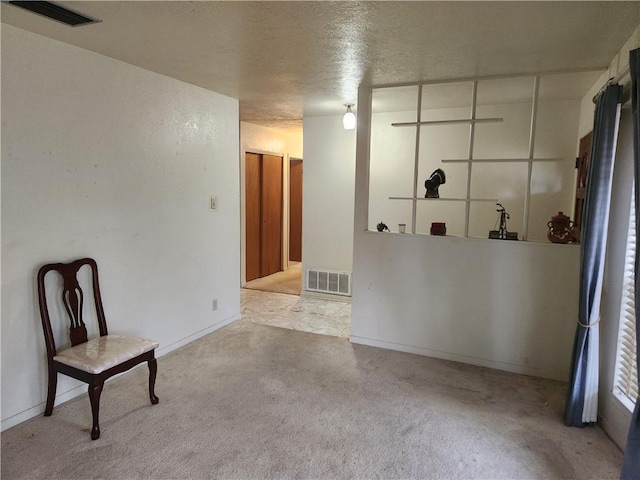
(153, 369)
(51, 392)
(94, 397)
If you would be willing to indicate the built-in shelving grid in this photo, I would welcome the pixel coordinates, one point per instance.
(472, 121)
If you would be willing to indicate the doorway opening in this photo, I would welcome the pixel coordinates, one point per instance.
(273, 216)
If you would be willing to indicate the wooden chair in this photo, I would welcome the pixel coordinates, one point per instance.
(91, 361)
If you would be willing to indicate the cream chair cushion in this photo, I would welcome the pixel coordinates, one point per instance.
(102, 353)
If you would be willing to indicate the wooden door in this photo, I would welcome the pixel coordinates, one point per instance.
(253, 214)
(271, 236)
(295, 211)
(263, 215)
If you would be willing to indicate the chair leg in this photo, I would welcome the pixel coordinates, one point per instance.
(153, 369)
(51, 391)
(94, 396)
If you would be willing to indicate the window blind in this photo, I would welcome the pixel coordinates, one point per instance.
(626, 376)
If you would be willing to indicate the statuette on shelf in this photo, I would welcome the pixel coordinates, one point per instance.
(436, 179)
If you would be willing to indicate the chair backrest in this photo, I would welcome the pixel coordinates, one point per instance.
(72, 299)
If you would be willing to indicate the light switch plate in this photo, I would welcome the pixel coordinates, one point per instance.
(213, 203)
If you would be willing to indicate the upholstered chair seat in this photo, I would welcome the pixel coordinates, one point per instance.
(102, 353)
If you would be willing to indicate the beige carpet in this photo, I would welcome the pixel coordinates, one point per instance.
(288, 281)
(258, 402)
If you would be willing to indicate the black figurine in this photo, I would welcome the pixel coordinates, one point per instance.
(382, 227)
(436, 179)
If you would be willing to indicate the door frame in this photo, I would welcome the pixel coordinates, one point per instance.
(243, 209)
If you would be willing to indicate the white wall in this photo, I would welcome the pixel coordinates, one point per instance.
(103, 159)
(270, 140)
(392, 167)
(287, 144)
(328, 194)
(617, 65)
(506, 305)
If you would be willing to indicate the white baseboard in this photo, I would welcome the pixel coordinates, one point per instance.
(617, 436)
(81, 389)
(614, 418)
(212, 328)
(480, 362)
(325, 296)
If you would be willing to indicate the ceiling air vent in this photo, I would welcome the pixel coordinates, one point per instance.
(56, 12)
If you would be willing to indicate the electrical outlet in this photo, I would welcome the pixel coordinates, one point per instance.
(213, 203)
(214, 304)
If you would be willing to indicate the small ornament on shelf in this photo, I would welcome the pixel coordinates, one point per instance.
(560, 229)
(436, 179)
(438, 228)
(502, 233)
(382, 227)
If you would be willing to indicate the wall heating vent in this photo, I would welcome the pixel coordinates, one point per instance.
(329, 281)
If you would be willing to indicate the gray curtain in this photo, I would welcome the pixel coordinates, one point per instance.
(631, 463)
(581, 403)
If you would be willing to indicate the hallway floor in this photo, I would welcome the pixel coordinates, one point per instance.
(288, 281)
(305, 314)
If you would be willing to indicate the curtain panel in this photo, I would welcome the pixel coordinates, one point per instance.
(631, 462)
(582, 398)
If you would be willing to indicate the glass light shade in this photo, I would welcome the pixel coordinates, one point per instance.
(349, 119)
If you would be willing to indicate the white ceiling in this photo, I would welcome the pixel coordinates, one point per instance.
(283, 60)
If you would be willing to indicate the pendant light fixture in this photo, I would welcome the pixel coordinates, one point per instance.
(349, 119)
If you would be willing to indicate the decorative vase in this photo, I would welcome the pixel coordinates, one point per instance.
(560, 229)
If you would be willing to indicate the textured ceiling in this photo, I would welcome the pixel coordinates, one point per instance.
(283, 60)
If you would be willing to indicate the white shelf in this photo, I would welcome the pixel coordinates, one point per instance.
(447, 199)
(501, 160)
(449, 122)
